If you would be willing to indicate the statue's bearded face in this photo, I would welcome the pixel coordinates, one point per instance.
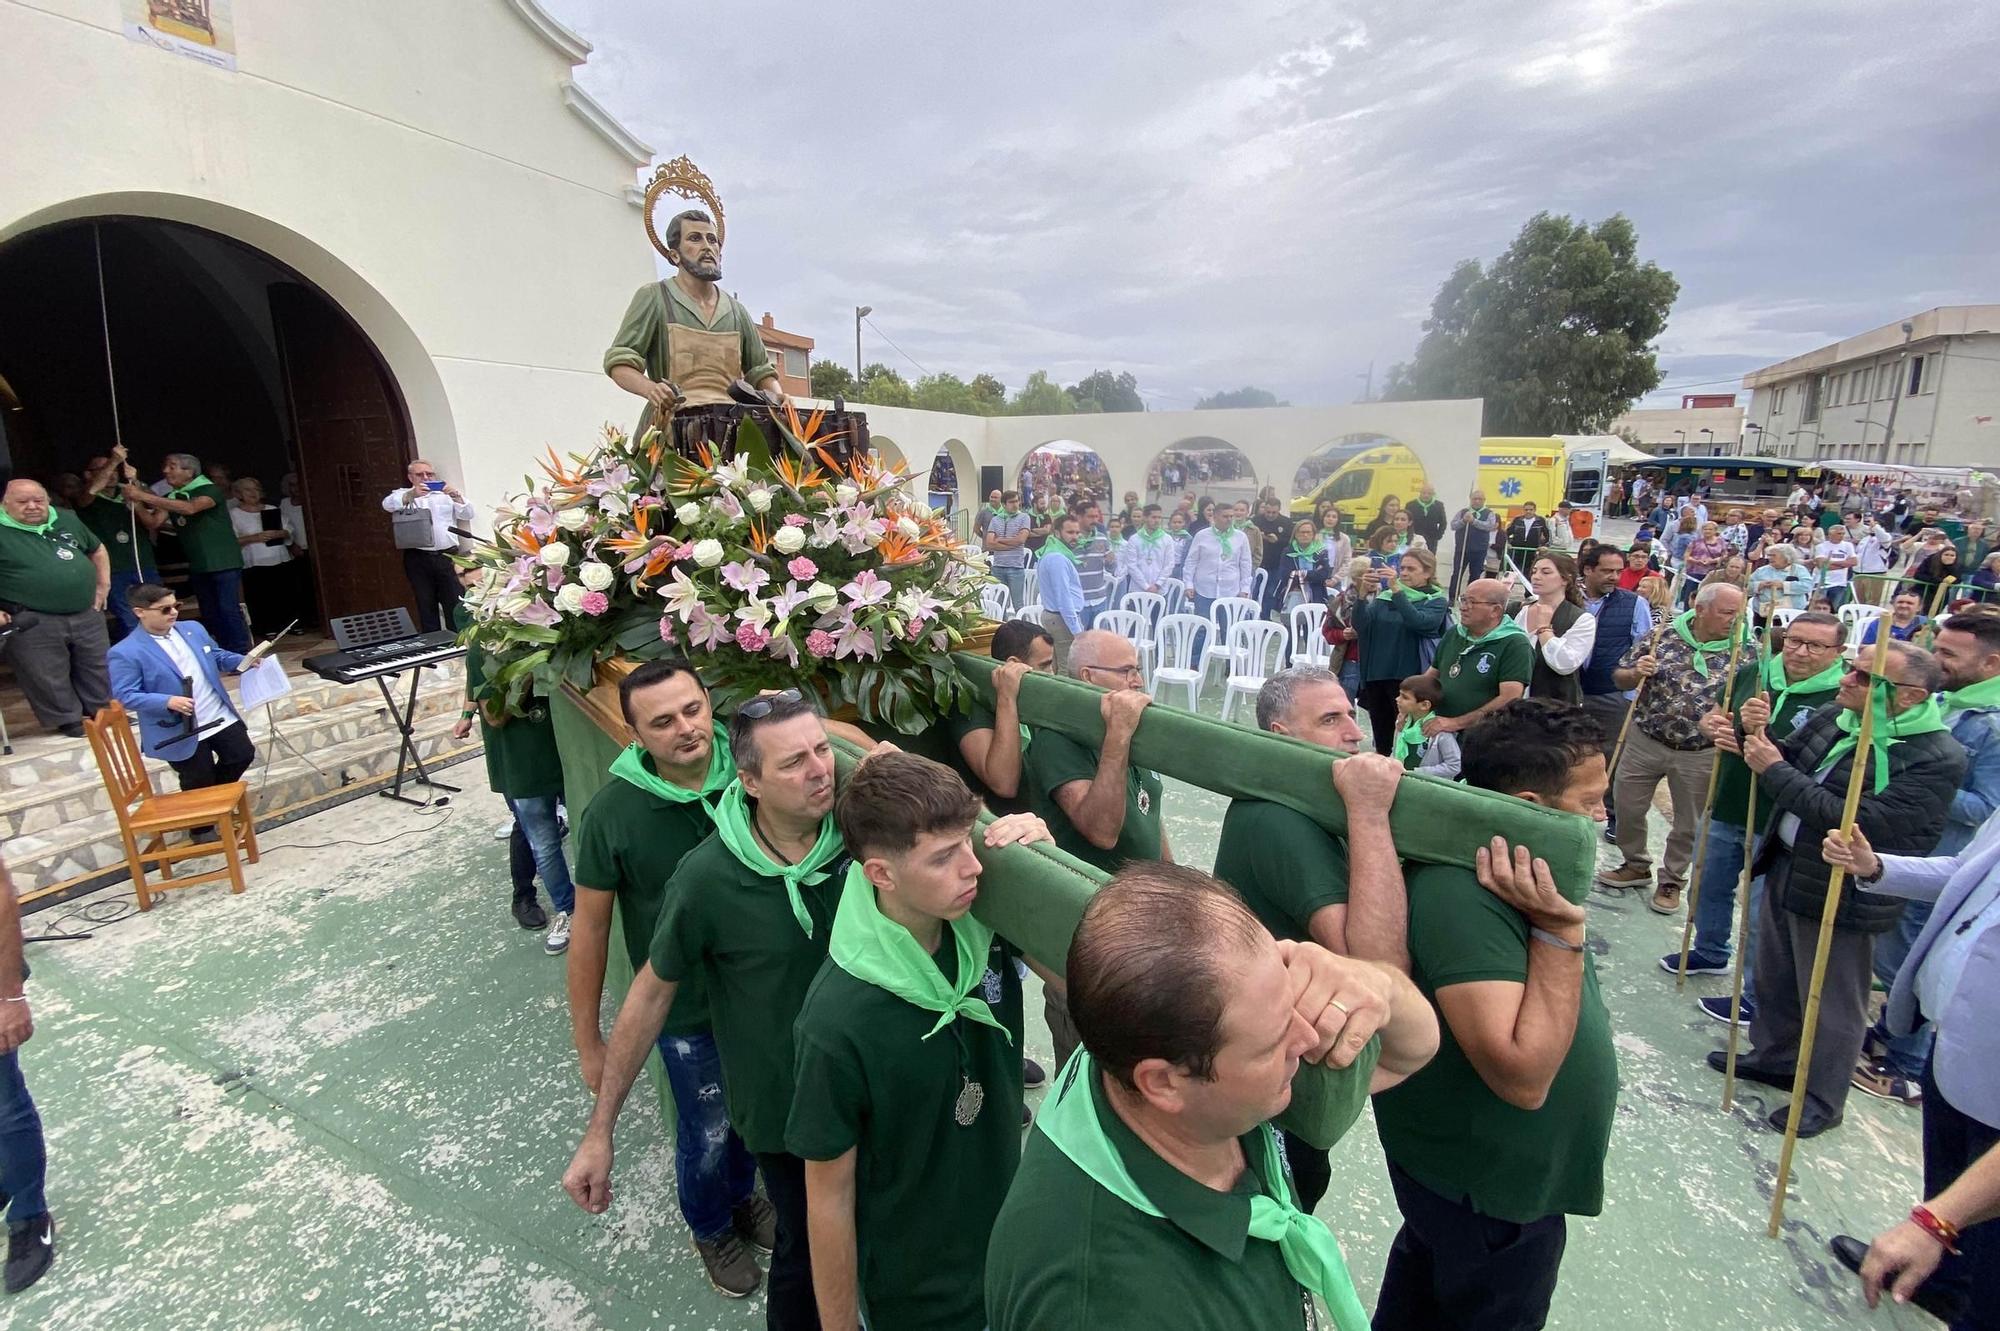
(700, 250)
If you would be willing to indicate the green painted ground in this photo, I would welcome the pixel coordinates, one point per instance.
(345, 1099)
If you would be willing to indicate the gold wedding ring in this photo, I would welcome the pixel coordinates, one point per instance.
(1345, 1011)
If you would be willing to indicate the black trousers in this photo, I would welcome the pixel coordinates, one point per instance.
(218, 759)
(1453, 1267)
(434, 579)
(1378, 699)
(788, 1287)
(1952, 1141)
(1312, 1170)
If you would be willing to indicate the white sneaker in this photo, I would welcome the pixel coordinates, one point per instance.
(505, 830)
(556, 941)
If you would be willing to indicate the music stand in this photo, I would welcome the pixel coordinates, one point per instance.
(365, 630)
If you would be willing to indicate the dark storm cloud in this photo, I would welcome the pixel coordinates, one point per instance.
(1210, 195)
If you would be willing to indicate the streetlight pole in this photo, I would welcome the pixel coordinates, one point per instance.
(860, 312)
(1711, 440)
(1684, 441)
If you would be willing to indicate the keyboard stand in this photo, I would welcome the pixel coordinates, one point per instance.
(406, 752)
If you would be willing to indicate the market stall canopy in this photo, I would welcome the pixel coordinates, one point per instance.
(1618, 452)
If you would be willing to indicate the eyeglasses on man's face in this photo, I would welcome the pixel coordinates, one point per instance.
(1122, 671)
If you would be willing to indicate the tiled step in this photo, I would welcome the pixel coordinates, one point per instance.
(89, 850)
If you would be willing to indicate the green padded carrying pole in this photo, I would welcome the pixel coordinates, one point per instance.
(1437, 821)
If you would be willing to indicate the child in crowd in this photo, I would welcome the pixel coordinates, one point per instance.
(1416, 699)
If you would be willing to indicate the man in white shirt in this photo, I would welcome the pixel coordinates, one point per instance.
(1836, 557)
(1148, 557)
(1218, 561)
(432, 575)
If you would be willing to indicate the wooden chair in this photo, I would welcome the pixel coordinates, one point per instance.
(144, 813)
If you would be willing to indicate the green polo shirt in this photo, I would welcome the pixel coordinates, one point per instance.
(1472, 676)
(208, 538)
(1054, 760)
(49, 570)
(957, 725)
(112, 522)
(1284, 865)
(926, 1186)
(1444, 1126)
(1068, 1256)
(734, 928)
(629, 842)
(522, 761)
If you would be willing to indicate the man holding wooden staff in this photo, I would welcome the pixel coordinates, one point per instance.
(1916, 768)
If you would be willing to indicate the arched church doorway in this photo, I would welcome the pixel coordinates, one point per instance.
(172, 338)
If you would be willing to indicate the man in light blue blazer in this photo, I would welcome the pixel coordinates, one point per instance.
(169, 675)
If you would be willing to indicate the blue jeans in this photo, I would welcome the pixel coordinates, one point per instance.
(1015, 580)
(221, 596)
(1907, 1054)
(1714, 914)
(24, 1159)
(121, 582)
(714, 1172)
(537, 817)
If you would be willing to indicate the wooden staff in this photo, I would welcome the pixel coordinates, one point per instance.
(1743, 916)
(1863, 751)
(1736, 633)
(1937, 602)
(1652, 645)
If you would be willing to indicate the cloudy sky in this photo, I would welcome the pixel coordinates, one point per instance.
(1218, 194)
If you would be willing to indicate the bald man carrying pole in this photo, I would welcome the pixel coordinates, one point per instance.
(54, 578)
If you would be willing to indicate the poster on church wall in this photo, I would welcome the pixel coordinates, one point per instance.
(201, 29)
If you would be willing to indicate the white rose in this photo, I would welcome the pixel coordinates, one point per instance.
(846, 493)
(688, 514)
(788, 540)
(760, 500)
(908, 528)
(708, 553)
(574, 518)
(569, 597)
(555, 554)
(596, 577)
(822, 594)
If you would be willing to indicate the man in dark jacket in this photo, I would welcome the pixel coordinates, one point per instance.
(1527, 536)
(1427, 516)
(1906, 797)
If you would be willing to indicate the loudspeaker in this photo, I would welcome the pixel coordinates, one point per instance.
(990, 479)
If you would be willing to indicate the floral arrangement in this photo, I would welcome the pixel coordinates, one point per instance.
(776, 568)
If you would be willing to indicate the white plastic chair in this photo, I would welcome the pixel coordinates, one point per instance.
(1309, 645)
(1258, 582)
(1176, 593)
(1131, 626)
(1175, 635)
(996, 601)
(1256, 652)
(1031, 584)
(1151, 607)
(1857, 618)
(1784, 615)
(1032, 612)
(1224, 615)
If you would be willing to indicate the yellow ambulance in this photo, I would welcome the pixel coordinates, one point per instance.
(1512, 472)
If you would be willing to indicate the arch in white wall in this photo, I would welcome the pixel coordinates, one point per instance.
(409, 364)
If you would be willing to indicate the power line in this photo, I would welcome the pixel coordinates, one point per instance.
(892, 342)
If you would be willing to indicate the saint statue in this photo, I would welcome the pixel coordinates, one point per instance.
(685, 340)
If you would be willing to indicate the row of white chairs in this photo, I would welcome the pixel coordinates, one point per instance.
(1856, 616)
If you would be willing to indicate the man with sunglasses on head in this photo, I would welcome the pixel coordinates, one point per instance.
(1914, 769)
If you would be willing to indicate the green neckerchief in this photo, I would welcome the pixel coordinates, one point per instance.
(876, 950)
(1150, 537)
(1054, 545)
(1923, 719)
(1313, 551)
(1683, 625)
(1781, 688)
(9, 520)
(732, 824)
(1986, 693)
(1409, 743)
(1069, 1120)
(1427, 594)
(631, 765)
(1505, 628)
(187, 491)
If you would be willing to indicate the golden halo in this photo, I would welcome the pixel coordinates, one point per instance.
(683, 178)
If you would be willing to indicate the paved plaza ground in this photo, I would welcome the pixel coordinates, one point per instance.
(345, 1099)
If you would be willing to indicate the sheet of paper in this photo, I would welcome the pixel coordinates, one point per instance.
(266, 683)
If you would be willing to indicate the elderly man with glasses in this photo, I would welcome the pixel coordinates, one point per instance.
(1483, 662)
(1915, 767)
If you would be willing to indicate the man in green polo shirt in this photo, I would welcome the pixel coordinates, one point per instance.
(1483, 662)
(127, 531)
(1504, 1134)
(199, 518)
(1152, 1190)
(1101, 808)
(54, 578)
(991, 740)
(907, 1109)
(748, 910)
(630, 838)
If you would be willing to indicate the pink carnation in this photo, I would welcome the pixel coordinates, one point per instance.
(819, 642)
(666, 628)
(594, 603)
(802, 569)
(751, 638)
(795, 520)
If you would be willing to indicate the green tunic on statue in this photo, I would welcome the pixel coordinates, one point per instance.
(522, 761)
(644, 337)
